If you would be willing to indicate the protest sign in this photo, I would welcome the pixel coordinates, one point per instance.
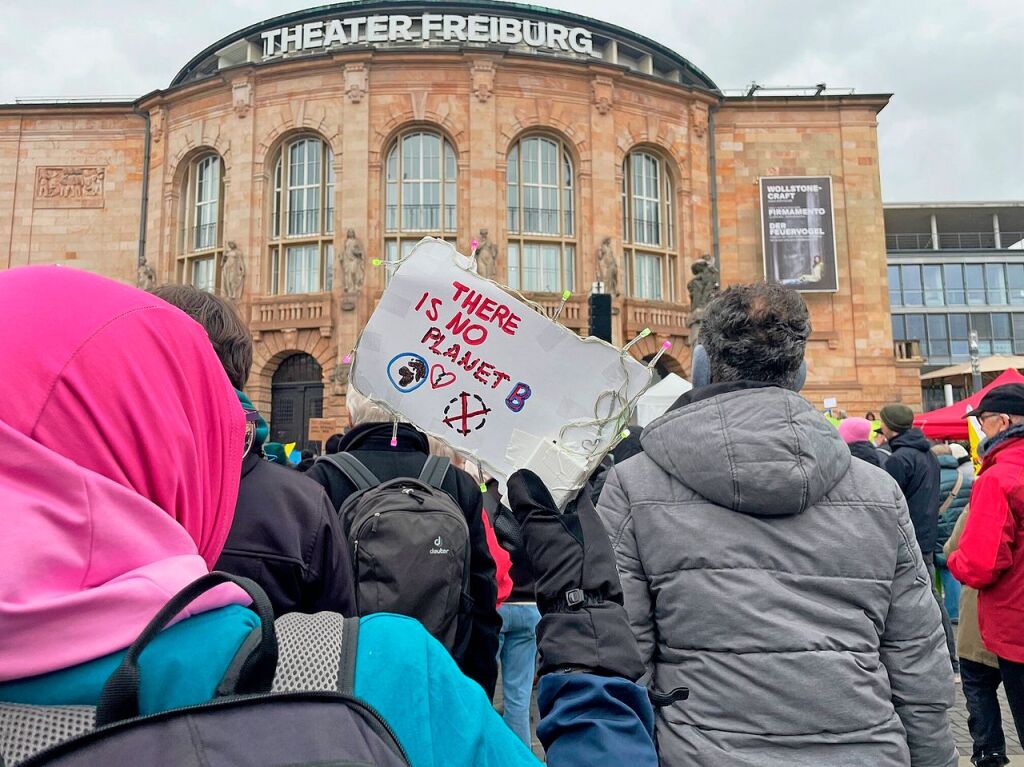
(798, 233)
(322, 428)
(467, 362)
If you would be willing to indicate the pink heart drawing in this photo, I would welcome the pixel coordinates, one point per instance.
(439, 377)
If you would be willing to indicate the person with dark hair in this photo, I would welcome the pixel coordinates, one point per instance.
(916, 470)
(770, 572)
(285, 534)
(119, 449)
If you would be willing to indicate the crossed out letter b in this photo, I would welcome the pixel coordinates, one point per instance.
(516, 401)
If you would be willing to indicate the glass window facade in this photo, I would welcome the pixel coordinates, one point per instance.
(420, 192)
(302, 217)
(945, 336)
(648, 227)
(199, 244)
(540, 190)
(989, 284)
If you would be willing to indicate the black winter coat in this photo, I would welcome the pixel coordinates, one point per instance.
(476, 653)
(866, 452)
(916, 469)
(286, 536)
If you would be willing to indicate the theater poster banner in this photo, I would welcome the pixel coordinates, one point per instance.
(798, 232)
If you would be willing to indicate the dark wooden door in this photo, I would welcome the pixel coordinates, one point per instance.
(297, 395)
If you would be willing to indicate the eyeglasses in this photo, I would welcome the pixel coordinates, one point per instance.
(982, 416)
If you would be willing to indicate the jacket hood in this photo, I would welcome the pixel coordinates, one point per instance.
(756, 449)
(120, 446)
(947, 462)
(912, 438)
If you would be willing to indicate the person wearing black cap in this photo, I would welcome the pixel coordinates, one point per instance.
(990, 556)
(916, 469)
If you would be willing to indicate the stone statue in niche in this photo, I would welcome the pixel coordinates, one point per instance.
(704, 285)
(608, 267)
(353, 269)
(146, 277)
(486, 257)
(232, 272)
(702, 288)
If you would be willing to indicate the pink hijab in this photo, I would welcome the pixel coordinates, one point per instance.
(120, 454)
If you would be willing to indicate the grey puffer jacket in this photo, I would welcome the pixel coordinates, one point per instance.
(782, 583)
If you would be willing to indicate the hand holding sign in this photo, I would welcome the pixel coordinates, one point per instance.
(473, 366)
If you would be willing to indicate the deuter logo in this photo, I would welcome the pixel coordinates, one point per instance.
(438, 543)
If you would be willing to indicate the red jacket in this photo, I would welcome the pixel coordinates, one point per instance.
(990, 558)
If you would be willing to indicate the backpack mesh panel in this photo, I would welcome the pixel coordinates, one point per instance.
(27, 730)
(309, 647)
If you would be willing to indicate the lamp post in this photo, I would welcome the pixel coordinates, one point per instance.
(972, 345)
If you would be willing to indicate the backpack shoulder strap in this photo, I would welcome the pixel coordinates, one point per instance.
(952, 493)
(353, 469)
(434, 471)
(347, 661)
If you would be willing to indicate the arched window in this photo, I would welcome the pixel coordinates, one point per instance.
(200, 223)
(420, 192)
(302, 218)
(648, 219)
(540, 186)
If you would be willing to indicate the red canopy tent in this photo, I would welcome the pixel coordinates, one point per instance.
(948, 422)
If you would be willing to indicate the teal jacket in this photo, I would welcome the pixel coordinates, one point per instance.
(440, 716)
(949, 471)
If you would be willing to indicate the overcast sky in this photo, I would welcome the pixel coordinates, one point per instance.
(953, 131)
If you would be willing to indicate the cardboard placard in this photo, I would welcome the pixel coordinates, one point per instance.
(322, 428)
(469, 363)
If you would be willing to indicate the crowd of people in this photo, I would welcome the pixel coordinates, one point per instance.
(742, 583)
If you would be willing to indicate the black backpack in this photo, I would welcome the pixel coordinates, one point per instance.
(248, 724)
(410, 547)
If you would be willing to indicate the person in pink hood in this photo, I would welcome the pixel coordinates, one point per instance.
(856, 433)
(120, 448)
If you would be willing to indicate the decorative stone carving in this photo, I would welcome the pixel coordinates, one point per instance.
(241, 97)
(699, 120)
(353, 269)
(486, 257)
(70, 186)
(482, 73)
(232, 272)
(608, 266)
(702, 288)
(339, 378)
(156, 125)
(603, 94)
(146, 278)
(357, 81)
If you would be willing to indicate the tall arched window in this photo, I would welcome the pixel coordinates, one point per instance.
(648, 219)
(420, 192)
(302, 218)
(540, 187)
(200, 223)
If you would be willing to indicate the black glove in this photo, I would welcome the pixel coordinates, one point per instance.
(583, 625)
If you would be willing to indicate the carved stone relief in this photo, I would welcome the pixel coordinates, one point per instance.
(357, 81)
(70, 186)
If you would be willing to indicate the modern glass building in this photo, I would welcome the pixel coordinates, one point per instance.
(954, 268)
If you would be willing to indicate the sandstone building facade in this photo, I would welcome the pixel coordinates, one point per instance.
(286, 158)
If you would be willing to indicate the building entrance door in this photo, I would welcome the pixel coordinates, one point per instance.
(297, 394)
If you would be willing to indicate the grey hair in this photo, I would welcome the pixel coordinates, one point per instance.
(363, 410)
(756, 332)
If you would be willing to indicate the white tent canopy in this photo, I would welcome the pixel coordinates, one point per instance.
(655, 401)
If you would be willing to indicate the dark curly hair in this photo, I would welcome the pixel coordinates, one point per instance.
(756, 332)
